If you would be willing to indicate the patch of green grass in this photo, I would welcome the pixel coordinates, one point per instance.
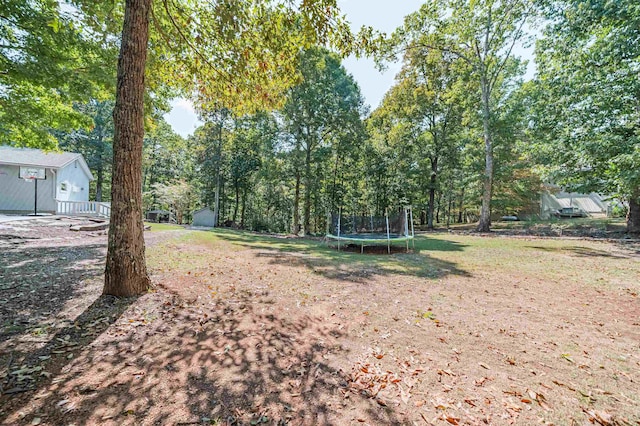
(436, 256)
(163, 227)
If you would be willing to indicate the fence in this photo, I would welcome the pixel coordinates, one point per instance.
(83, 208)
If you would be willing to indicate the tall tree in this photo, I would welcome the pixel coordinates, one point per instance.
(252, 137)
(426, 98)
(126, 270)
(95, 143)
(165, 155)
(212, 140)
(483, 33)
(323, 109)
(231, 53)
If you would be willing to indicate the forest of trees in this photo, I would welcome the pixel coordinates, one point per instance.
(287, 136)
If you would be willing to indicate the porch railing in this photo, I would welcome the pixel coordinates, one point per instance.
(83, 208)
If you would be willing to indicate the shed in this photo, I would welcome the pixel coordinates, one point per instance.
(159, 216)
(204, 217)
(64, 176)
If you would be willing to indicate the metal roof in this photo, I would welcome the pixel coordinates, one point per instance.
(39, 158)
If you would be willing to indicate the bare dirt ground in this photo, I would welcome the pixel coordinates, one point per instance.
(246, 329)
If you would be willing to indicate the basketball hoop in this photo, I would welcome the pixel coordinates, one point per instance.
(33, 174)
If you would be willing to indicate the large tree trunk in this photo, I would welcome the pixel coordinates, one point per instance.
(99, 179)
(216, 201)
(306, 224)
(450, 202)
(126, 270)
(432, 192)
(296, 205)
(236, 186)
(223, 200)
(244, 207)
(461, 206)
(633, 216)
(487, 182)
(216, 206)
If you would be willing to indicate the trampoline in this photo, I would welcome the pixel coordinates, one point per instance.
(372, 230)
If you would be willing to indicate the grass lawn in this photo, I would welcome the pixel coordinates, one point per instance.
(251, 329)
(156, 227)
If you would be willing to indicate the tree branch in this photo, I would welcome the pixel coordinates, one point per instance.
(225, 76)
(494, 77)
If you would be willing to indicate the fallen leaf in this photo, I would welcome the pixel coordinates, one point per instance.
(564, 385)
(470, 402)
(452, 420)
(514, 407)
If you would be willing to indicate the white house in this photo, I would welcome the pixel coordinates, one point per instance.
(593, 204)
(66, 178)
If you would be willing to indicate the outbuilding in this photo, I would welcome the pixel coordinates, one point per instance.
(159, 216)
(55, 176)
(204, 217)
(593, 205)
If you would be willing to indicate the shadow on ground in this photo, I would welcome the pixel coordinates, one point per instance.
(350, 266)
(37, 283)
(230, 363)
(580, 251)
(49, 310)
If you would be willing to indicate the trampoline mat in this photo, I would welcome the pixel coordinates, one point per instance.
(372, 238)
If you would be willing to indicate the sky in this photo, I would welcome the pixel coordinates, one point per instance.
(383, 15)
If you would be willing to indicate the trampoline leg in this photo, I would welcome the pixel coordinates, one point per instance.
(362, 248)
(389, 247)
(407, 246)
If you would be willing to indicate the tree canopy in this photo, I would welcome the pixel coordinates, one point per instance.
(48, 60)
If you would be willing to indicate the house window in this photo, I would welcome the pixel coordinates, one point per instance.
(63, 187)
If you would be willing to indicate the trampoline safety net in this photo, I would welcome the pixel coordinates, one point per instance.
(363, 226)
